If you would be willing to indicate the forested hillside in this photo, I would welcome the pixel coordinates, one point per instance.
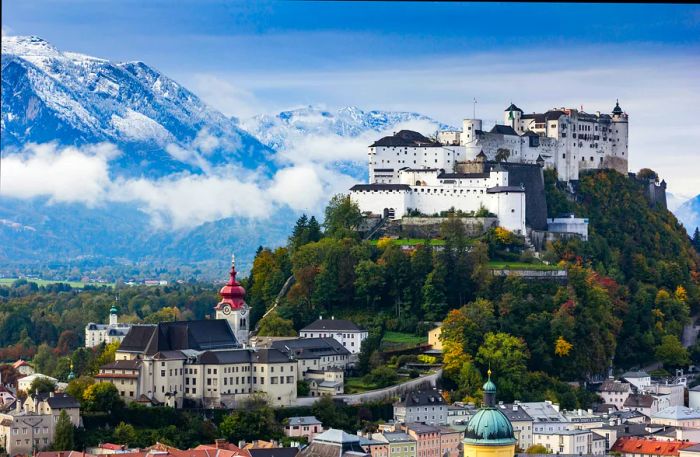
(630, 291)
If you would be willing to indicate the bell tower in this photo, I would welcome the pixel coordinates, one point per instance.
(233, 307)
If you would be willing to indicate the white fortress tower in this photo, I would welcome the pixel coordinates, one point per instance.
(233, 307)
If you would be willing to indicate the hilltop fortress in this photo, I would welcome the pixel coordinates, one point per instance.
(499, 170)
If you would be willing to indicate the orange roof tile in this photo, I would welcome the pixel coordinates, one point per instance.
(633, 445)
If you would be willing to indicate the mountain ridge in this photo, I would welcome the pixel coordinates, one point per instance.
(163, 131)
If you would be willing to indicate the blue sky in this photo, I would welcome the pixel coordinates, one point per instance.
(251, 57)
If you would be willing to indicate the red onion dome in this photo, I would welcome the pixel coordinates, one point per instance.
(232, 293)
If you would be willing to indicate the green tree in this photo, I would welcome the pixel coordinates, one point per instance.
(64, 433)
(45, 360)
(696, 239)
(342, 217)
(77, 387)
(507, 356)
(303, 388)
(537, 449)
(382, 377)
(671, 352)
(102, 396)
(313, 230)
(42, 385)
(274, 325)
(124, 434)
(369, 283)
(256, 420)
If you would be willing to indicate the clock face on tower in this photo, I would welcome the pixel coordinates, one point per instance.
(227, 310)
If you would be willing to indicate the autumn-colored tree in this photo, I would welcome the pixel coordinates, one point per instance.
(562, 347)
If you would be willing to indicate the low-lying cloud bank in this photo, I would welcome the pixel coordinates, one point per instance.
(308, 172)
(82, 175)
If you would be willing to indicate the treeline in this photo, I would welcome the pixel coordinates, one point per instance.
(55, 315)
(644, 249)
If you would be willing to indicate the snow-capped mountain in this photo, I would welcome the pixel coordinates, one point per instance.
(281, 130)
(75, 99)
(177, 156)
(689, 214)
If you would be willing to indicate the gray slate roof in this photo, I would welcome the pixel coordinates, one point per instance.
(311, 348)
(407, 138)
(421, 398)
(332, 324)
(303, 420)
(58, 400)
(171, 336)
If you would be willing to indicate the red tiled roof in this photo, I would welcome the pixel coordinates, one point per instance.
(19, 363)
(112, 446)
(632, 445)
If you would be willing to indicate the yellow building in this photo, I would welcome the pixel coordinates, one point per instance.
(489, 432)
(434, 338)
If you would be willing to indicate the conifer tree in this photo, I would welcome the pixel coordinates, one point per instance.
(314, 230)
(63, 437)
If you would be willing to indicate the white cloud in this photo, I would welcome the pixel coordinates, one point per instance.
(70, 174)
(63, 174)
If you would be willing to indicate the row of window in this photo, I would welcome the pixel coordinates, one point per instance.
(25, 430)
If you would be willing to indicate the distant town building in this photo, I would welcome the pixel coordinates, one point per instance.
(325, 382)
(303, 427)
(25, 382)
(23, 367)
(434, 338)
(31, 425)
(96, 334)
(694, 397)
(640, 379)
(7, 398)
(399, 444)
(521, 421)
(571, 441)
(315, 353)
(614, 392)
(334, 443)
(344, 331)
(677, 416)
(426, 406)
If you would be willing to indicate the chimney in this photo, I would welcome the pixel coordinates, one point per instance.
(332, 318)
(51, 394)
(219, 442)
(241, 444)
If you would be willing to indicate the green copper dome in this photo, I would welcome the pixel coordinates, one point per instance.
(489, 426)
(113, 309)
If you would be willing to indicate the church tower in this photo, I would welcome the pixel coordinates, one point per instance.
(233, 307)
(489, 433)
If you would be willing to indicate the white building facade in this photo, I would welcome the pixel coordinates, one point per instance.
(96, 334)
(566, 139)
(343, 331)
(432, 191)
